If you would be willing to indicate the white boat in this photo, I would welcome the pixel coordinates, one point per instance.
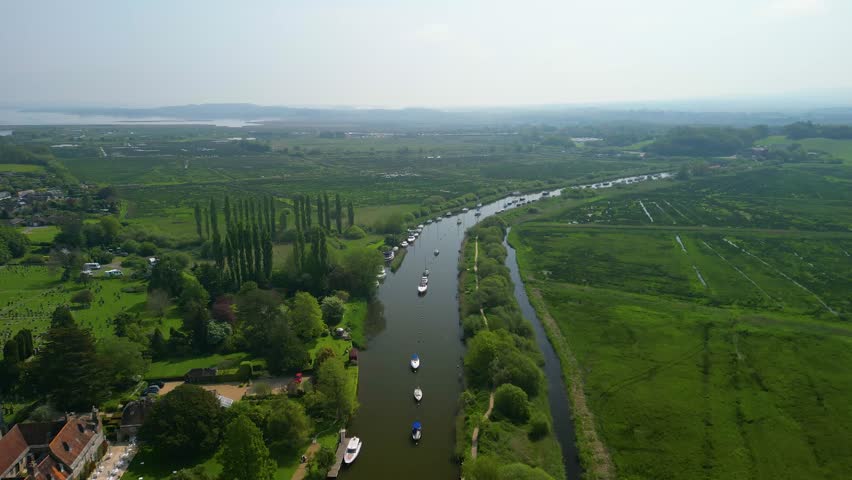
(382, 272)
(418, 394)
(420, 227)
(438, 219)
(449, 214)
(415, 362)
(411, 239)
(424, 284)
(429, 221)
(437, 252)
(403, 244)
(458, 221)
(352, 450)
(478, 205)
(464, 210)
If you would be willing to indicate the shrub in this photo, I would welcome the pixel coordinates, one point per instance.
(33, 259)
(147, 249)
(512, 402)
(539, 426)
(354, 232)
(333, 309)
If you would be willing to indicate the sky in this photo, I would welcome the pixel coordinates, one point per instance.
(430, 53)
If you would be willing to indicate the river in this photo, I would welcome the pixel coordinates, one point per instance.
(403, 323)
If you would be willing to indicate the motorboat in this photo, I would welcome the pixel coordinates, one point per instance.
(438, 219)
(416, 431)
(389, 255)
(420, 227)
(428, 221)
(437, 252)
(382, 273)
(403, 244)
(415, 362)
(478, 205)
(449, 214)
(478, 213)
(464, 210)
(458, 221)
(545, 193)
(418, 394)
(424, 284)
(411, 239)
(352, 450)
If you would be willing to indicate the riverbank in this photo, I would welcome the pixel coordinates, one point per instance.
(501, 357)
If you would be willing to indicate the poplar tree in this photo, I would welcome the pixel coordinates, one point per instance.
(227, 213)
(351, 211)
(198, 219)
(206, 223)
(320, 219)
(272, 215)
(327, 207)
(308, 212)
(338, 214)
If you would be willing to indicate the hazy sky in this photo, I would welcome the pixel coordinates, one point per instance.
(417, 53)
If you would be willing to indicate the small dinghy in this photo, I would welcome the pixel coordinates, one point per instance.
(418, 394)
(437, 252)
(352, 450)
(426, 272)
(415, 362)
(416, 431)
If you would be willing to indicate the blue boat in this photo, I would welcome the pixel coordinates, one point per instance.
(415, 362)
(416, 431)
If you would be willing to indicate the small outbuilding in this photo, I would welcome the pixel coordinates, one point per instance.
(353, 355)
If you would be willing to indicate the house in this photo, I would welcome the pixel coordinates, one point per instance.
(353, 355)
(60, 450)
(200, 375)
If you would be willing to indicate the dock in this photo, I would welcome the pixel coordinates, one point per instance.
(342, 442)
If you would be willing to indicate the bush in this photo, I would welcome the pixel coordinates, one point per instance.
(354, 232)
(512, 402)
(539, 426)
(146, 249)
(333, 309)
(33, 259)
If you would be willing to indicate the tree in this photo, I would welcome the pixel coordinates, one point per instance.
(67, 369)
(185, 423)
(336, 385)
(167, 275)
(333, 309)
(157, 344)
(338, 214)
(480, 357)
(512, 402)
(83, 297)
(350, 210)
(306, 316)
(121, 360)
(327, 214)
(288, 427)
(322, 355)
(129, 326)
(110, 227)
(320, 212)
(357, 271)
(257, 311)
(61, 317)
(285, 352)
(244, 454)
(157, 302)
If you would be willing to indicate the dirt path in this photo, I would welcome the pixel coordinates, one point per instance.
(601, 464)
(474, 442)
(302, 471)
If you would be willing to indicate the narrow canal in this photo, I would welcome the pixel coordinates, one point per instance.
(402, 323)
(557, 395)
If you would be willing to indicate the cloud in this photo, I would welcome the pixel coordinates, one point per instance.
(433, 33)
(795, 8)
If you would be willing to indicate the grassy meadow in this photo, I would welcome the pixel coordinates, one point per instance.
(711, 342)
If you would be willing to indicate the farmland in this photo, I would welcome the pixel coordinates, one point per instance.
(713, 335)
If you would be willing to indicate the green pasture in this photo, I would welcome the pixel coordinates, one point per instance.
(838, 148)
(21, 168)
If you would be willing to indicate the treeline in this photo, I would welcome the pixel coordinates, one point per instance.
(800, 130)
(13, 244)
(501, 359)
(706, 141)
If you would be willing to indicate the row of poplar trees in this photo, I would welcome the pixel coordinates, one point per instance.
(250, 225)
(245, 253)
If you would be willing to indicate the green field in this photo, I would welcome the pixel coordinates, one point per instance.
(21, 168)
(839, 148)
(721, 355)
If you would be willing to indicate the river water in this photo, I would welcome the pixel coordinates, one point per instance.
(401, 324)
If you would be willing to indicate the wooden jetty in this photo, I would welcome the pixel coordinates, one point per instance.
(342, 442)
